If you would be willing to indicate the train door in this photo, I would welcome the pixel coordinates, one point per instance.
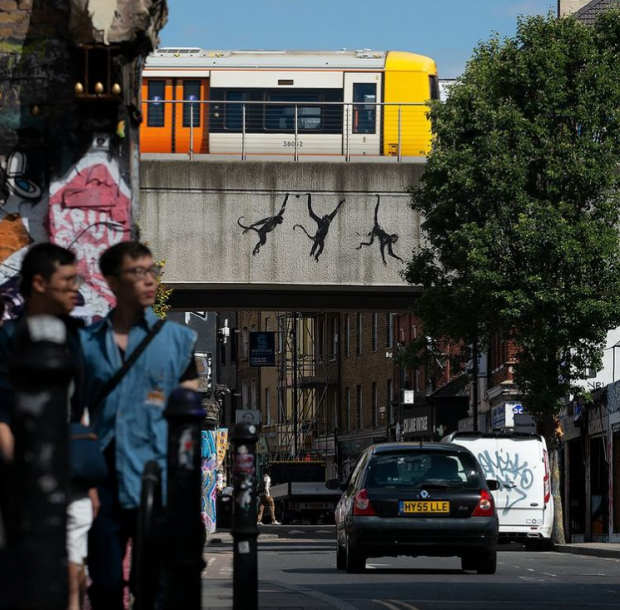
(190, 121)
(156, 129)
(362, 117)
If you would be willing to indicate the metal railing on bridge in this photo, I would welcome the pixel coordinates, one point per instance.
(290, 129)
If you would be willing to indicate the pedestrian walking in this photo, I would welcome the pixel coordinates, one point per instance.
(265, 499)
(133, 361)
(50, 286)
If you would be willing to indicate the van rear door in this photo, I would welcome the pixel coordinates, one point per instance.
(518, 464)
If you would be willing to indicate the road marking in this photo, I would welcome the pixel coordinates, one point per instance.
(390, 604)
(549, 574)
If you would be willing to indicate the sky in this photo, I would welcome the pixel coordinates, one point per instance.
(446, 30)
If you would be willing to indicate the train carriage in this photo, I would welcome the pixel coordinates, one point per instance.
(353, 103)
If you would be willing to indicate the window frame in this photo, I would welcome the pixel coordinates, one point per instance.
(153, 81)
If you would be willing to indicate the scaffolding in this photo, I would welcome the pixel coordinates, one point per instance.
(303, 382)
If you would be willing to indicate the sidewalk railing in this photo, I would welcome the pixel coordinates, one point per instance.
(293, 129)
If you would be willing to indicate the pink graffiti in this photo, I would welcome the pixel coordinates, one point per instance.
(89, 214)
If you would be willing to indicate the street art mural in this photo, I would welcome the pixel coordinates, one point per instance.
(264, 226)
(514, 476)
(89, 211)
(23, 217)
(209, 478)
(385, 240)
(322, 228)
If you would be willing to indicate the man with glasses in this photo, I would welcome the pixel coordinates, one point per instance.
(50, 286)
(129, 419)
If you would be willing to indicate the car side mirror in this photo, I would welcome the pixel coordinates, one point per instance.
(492, 484)
(332, 484)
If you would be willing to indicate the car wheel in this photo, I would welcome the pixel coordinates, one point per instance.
(356, 562)
(468, 562)
(487, 563)
(341, 558)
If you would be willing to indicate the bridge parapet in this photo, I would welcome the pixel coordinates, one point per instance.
(281, 228)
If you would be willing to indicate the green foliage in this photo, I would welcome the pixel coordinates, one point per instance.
(161, 306)
(521, 205)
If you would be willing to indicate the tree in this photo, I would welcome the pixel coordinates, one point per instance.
(521, 207)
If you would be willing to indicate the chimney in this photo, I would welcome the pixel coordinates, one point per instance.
(566, 7)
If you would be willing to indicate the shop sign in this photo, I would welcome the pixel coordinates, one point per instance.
(417, 422)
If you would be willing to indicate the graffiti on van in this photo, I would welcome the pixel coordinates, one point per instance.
(514, 477)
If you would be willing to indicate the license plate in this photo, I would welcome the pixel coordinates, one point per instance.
(410, 507)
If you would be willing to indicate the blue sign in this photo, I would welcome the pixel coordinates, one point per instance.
(517, 409)
(263, 349)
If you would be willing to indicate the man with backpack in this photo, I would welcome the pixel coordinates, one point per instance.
(265, 499)
(133, 362)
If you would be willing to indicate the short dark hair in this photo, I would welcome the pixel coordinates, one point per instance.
(111, 261)
(43, 260)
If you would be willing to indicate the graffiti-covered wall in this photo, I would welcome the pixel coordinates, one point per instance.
(69, 121)
(278, 223)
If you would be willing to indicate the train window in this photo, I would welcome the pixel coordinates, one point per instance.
(234, 112)
(282, 118)
(156, 106)
(364, 108)
(434, 82)
(191, 111)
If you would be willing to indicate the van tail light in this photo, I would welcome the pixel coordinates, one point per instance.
(486, 506)
(362, 506)
(547, 479)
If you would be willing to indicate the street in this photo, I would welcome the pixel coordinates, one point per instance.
(293, 565)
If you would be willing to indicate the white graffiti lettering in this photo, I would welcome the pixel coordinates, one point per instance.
(513, 477)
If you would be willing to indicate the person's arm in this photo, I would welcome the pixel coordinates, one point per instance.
(189, 379)
(7, 442)
(93, 494)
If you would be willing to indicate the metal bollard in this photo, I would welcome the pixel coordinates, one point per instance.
(35, 563)
(244, 528)
(183, 564)
(146, 554)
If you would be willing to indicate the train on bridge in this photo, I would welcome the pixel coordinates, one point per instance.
(294, 103)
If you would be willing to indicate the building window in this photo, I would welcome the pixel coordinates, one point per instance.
(267, 407)
(253, 404)
(267, 325)
(336, 414)
(359, 333)
(281, 414)
(244, 394)
(191, 109)
(389, 327)
(347, 402)
(245, 335)
(347, 333)
(374, 414)
(156, 110)
(375, 328)
(334, 338)
(390, 398)
(359, 407)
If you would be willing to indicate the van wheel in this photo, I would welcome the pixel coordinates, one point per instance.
(341, 558)
(468, 563)
(487, 563)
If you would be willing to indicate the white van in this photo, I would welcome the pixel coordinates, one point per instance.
(520, 464)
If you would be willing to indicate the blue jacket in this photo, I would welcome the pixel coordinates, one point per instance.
(132, 414)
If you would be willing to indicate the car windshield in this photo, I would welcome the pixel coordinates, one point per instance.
(431, 469)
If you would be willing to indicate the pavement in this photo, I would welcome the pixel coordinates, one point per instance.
(218, 573)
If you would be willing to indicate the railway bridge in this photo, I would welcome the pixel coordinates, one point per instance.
(281, 235)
